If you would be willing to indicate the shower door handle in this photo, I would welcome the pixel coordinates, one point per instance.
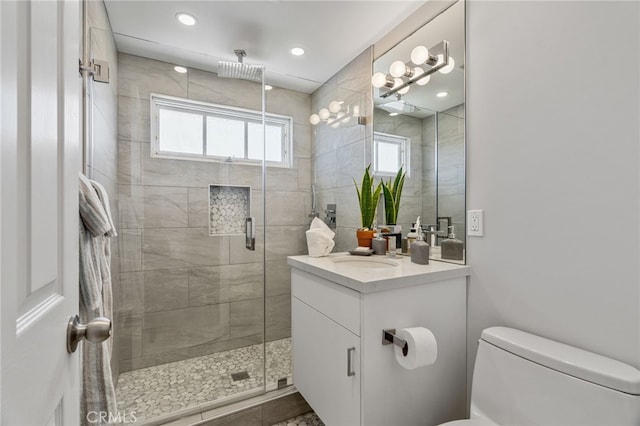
(249, 233)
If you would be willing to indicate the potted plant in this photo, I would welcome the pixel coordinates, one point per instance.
(392, 192)
(368, 197)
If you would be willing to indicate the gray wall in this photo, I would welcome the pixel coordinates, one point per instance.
(173, 272)
(553, 159)
(103, 161)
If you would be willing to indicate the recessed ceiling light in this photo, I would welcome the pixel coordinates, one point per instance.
(297, 51)
(268, 87)
(185, 18)
(393, 114)
(181, 70)
(441, 94)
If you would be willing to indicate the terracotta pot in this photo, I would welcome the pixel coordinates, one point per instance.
(364, 237)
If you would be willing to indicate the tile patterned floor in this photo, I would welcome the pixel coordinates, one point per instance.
(164, 389)
(308, 419)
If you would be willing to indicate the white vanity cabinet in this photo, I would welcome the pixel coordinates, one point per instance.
(326, 332)
(339, 363)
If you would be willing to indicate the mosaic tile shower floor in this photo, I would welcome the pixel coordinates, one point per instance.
(163, 389)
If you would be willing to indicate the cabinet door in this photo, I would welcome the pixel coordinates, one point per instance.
(326, 365)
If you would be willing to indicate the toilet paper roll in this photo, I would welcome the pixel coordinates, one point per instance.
(422, 347)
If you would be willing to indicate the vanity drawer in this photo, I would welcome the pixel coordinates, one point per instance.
(339, 303)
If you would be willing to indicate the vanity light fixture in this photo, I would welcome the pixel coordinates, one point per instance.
(186, 19)
(336, 114)
(297, 51)
(179, 69)
(401, 75)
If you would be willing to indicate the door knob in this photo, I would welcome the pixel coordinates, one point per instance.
(96, 331)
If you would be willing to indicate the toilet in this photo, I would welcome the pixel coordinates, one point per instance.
(522, 379)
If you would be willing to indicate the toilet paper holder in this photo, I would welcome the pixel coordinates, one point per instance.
(389, 338)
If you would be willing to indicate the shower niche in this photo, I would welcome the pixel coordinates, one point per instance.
(229, 206)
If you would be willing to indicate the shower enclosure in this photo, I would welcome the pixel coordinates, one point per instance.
(203, 310)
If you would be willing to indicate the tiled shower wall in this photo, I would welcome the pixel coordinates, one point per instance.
(339, 154)
(186, 293)
(102, 164)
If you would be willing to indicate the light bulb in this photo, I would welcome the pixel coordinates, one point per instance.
(181, 70)
(419, 55)
(324, 114)
(442, 94)
(186, 19)
(268, 87)
(378, 80)
(335, 106)
(449, 67)
(393, 114)
(424, 80)
(314, 119)
(397, 69)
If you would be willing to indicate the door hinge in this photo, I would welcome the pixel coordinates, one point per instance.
(97, 69)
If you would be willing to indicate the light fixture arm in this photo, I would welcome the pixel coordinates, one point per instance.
(445, 62)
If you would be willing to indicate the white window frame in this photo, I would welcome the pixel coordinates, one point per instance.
(206, 109)
(404, 145)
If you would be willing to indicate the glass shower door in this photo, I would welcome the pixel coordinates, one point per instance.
(190, 304)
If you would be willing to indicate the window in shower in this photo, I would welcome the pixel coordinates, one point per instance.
(183, 128)
(390, 152)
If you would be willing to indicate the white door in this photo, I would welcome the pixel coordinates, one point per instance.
(39, 166)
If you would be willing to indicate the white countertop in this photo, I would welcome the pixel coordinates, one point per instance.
(366, 279)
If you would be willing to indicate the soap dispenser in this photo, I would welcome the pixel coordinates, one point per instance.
(419, 249)
(379, 245)
(452, 248)
(411, 236)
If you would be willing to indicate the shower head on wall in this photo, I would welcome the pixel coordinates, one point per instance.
(239, 69)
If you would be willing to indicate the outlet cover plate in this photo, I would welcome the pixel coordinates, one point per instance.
(475, 223)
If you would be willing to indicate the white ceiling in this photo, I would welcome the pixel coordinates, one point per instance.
(331, 32)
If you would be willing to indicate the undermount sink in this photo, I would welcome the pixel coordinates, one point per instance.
(377, 262)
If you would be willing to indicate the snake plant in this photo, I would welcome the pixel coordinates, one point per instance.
(392, 192)
(368, 196)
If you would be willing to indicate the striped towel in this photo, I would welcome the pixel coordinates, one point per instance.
(96, 227)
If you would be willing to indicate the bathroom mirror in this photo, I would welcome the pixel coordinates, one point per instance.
(422, 128)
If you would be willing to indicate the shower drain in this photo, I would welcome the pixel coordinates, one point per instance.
(241, 375)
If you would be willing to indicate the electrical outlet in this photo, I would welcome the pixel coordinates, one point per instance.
(475, 225)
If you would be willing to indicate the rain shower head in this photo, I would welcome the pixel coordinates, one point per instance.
(239, 69)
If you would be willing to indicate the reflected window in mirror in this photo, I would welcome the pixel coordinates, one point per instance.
(390, 152)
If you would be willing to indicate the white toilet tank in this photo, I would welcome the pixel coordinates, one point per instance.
(522, 379)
